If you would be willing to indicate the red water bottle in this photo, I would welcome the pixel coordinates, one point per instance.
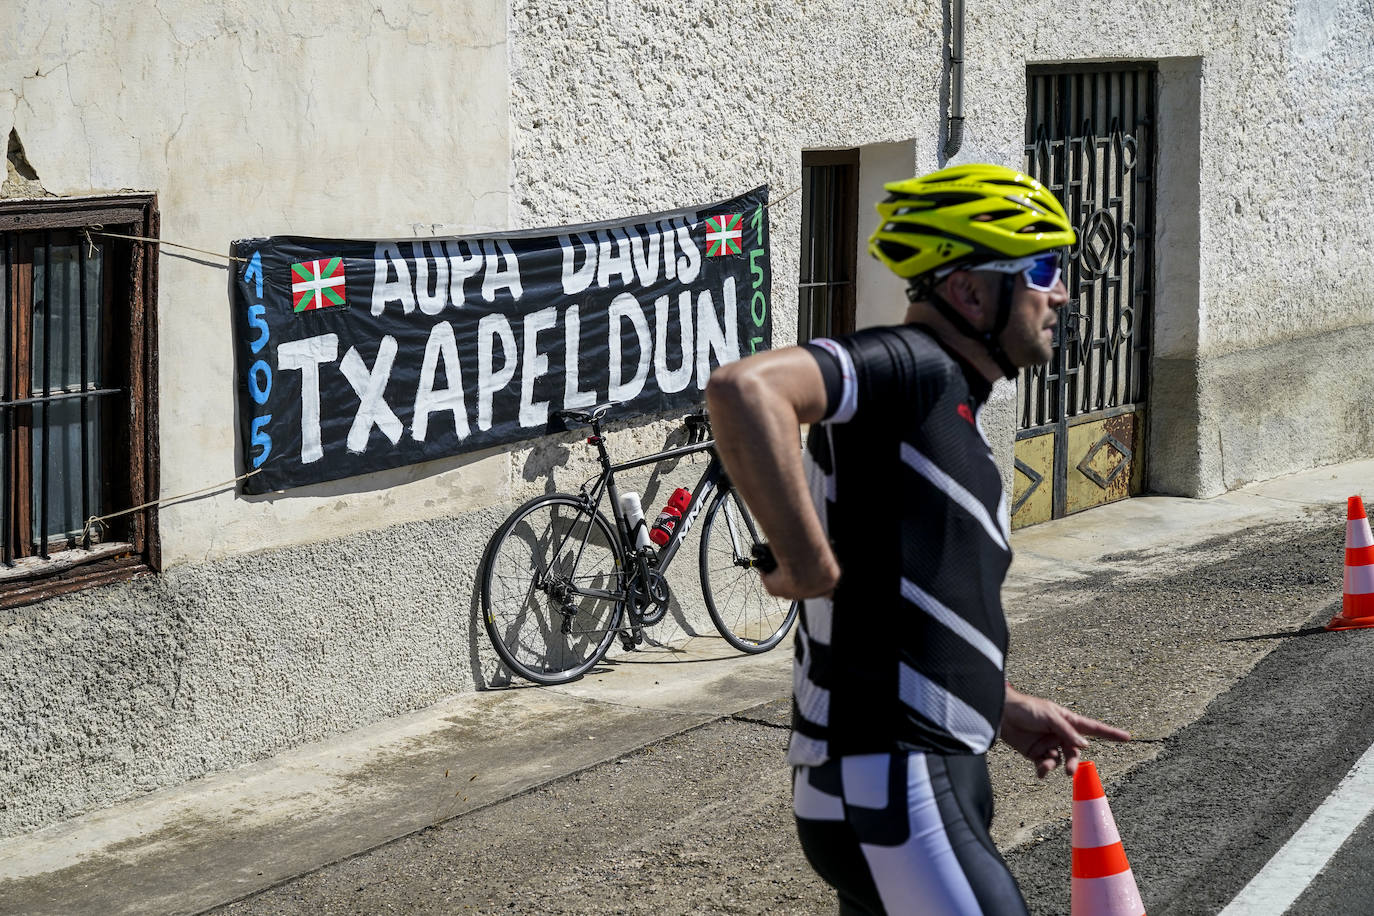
(669, 517)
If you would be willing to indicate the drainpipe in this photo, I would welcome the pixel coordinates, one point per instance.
(954, 131)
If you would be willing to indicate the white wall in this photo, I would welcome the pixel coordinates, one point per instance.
(880, 294)
(254, 118)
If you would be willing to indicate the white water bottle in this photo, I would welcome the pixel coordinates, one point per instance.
(634, 515)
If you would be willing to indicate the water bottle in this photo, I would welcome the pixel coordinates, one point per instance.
(634, 516)
(670, 516)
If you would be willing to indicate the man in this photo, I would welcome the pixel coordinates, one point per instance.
(895, 530)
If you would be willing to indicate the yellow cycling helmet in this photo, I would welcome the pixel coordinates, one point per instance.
(966, 214)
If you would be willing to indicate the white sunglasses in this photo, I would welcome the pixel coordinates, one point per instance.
(1041, 271)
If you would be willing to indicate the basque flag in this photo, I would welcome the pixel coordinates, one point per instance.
(723, 234)
(318, 284)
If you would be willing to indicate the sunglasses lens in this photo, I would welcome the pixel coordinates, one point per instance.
(1044, 273)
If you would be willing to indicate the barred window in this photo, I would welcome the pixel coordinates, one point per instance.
(77, 405)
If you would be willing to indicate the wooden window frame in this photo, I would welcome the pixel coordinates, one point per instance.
(130, 272)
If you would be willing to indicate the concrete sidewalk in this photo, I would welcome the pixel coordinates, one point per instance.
(223, 837)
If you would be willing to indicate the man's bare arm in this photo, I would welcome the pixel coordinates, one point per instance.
(757, 406)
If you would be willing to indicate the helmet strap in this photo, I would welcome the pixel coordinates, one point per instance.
(923, 290)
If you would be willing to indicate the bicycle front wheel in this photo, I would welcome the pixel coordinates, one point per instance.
(747, 616)
(552, 594)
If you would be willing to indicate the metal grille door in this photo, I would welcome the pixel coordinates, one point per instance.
(1081, 423)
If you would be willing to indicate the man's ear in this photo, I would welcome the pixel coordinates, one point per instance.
(968, 296)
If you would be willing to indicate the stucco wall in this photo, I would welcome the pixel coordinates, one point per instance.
(119, 691)
(272, 624)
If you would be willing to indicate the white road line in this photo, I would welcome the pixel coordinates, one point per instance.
(1286, 876)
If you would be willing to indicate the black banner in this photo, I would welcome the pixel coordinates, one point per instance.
(357, 356)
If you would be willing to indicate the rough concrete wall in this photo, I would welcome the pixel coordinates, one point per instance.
(646, 105)
(251, 117)
(123, 690)
(1279, 120)
(1287, 271)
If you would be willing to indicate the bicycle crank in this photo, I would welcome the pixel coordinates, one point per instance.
(652, 603)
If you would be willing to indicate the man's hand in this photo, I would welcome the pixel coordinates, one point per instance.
(814, 580)
(1048, 734)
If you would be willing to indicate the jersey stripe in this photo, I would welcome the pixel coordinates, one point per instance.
(951, 488)
(813, 700)
(928, 603)
(849, 386)
(803, 750)
(820, 616)
(945, 709)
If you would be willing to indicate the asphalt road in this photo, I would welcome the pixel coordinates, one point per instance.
(1227, 792)
(1248, 714)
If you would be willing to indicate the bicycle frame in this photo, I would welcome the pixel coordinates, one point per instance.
(706, 485)
(711, 477)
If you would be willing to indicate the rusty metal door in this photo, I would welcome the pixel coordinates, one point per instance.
(1081, 416)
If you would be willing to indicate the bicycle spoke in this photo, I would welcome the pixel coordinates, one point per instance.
(747, 616)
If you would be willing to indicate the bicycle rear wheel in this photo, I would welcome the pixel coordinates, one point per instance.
(552, 594)
(747, 616)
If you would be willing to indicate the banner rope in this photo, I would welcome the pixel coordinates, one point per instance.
(101, 519)
(100, 230)
(782, 198)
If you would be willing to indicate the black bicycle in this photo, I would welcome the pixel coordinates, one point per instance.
(559, 581)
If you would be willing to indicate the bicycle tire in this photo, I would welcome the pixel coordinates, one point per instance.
(743, 611)
(568, 545)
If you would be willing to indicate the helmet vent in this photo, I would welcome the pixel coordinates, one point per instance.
(894, 251)
(953, 198)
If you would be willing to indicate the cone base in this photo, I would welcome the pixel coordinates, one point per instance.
(1342, 622)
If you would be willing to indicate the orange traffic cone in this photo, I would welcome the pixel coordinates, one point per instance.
(1357, 608)
(1102, 880)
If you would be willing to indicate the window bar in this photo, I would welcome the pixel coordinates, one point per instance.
(47, 379)
(825, 269)
(85, 384)
(1024, 377)
(6, 511)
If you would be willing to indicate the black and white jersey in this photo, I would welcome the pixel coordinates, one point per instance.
(908, 654)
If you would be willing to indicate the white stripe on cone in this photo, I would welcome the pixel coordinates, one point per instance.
(1115, 894)
(1359, 580)
(1093, 825)
(1357, 533)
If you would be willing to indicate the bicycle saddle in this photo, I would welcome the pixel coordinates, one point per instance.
(585, 417)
